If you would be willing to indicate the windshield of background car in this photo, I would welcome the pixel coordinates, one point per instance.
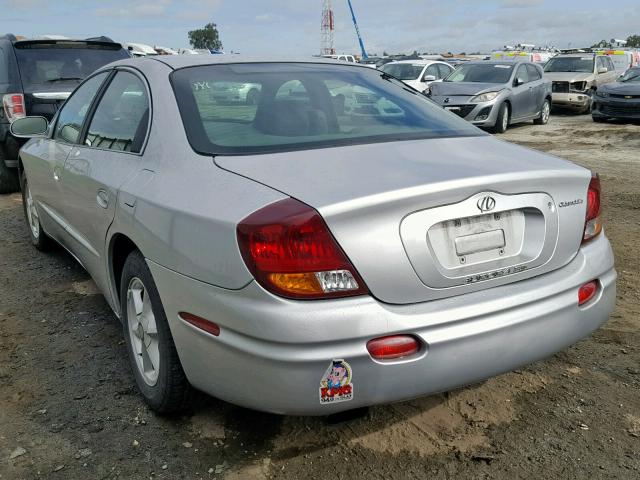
(481, 73)
(403, 71)
(631, 76)
(570, 64)
(292, 106)
(55, 63)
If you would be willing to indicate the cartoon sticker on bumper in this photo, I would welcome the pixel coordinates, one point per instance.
(336, 385)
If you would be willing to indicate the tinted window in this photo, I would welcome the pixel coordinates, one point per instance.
(481, 73)
(304, 106)
(4, 74)
(121, 119)
(75, 110)
(403, 71)
(570, 64)
(50, 64)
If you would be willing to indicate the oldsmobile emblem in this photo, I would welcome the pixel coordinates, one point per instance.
(486, 204)
(447, 100)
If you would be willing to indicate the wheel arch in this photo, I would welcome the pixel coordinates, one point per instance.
(120, 246)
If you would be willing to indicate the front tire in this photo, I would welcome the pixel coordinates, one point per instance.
(39, 239)
(502, 122)
(599, 119)
(545, 113)
(152, 353)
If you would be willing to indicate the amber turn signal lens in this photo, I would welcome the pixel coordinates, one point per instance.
(296, 283)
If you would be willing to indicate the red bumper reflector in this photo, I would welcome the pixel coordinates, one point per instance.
(587, 292)
(201, 323)
(393, 347)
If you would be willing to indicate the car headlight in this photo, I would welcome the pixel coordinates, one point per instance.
(484, 97)
(602, 94)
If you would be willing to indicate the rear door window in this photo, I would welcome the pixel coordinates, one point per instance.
(74, 111)
(120, 122)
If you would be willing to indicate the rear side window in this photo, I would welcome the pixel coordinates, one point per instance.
(260, 108)
(4, 74)
(121, 119)
(74, 111)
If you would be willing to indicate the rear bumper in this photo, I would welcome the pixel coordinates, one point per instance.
(272, 353)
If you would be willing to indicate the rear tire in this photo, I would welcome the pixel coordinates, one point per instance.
(152, 353)
(599, 119)
(9, 181)
(39, 239)
(502, 122)
(545, 112)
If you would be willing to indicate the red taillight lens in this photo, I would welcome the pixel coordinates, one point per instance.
(290, 251)
(393, 347)
(592, 223)
(587, 292)
(13, 104)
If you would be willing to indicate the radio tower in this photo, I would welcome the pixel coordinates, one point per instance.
(326, 29)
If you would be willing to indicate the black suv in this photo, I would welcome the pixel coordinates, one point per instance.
(36, 77)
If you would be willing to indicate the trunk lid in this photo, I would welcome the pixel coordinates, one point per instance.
(407, 212)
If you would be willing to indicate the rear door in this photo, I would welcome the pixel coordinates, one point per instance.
(538, 88)
(109, 155)
(522, 97)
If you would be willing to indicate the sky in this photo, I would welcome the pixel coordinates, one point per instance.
(283, 27)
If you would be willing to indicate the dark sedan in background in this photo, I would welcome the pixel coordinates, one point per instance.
(620, 99)
(495, 95)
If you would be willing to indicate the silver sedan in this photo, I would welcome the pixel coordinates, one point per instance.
(300, 257)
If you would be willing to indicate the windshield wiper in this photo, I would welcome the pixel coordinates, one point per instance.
(63, 79)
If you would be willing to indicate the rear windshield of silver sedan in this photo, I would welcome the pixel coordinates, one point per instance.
(270, 107)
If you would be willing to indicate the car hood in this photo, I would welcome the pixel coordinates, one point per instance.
(568, 76)
(463, 88)
(621, 88)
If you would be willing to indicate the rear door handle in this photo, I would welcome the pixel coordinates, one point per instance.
(102, 198)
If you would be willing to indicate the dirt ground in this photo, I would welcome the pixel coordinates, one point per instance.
(68, 408)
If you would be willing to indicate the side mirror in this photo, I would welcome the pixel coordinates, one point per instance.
(29, 127)
(603, 70)
(518, 81)
(428, 78)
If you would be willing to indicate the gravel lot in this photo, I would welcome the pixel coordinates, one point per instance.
(68, 408)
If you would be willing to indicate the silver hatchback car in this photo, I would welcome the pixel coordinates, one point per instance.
(297, 257)
(495, 95)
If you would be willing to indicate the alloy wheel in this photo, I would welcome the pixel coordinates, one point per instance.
(143, 331)
(32, 214)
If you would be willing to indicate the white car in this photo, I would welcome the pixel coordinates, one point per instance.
(139, 49)
(344, 58)
(418, 74)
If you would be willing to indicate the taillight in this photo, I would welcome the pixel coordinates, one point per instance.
(393, 347)
(290, 251)
(592, 223)
(13, 104)
(587, 291)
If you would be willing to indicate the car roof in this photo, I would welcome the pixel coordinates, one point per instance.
(183, 61)
(576, 54)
